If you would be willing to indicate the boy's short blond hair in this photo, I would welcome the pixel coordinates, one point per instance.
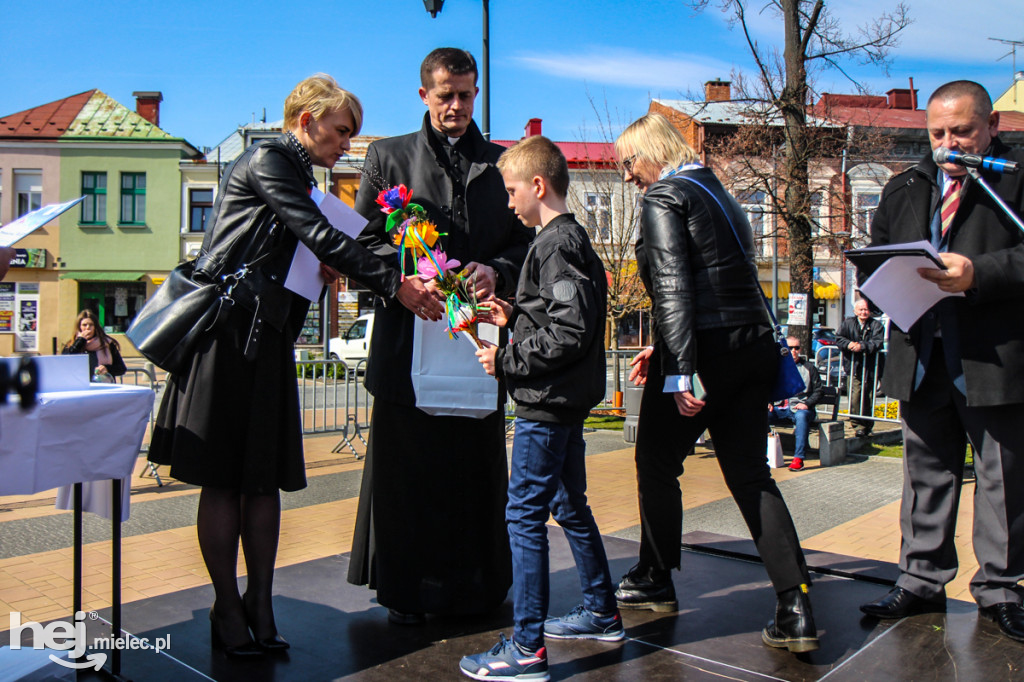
(320, 94)
(653, 138)
(537, 155)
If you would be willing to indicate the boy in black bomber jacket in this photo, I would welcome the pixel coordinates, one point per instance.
(555, 371)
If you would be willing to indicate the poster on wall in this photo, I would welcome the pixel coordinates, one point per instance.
(797, 309)
(6, 307)
(27, 316)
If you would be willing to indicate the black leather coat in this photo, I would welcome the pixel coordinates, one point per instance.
(487, 233)
(692, 265)
(263, 207)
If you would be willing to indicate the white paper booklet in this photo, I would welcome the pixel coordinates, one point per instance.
(304, 276)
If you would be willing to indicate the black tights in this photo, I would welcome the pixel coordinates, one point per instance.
(225, 516)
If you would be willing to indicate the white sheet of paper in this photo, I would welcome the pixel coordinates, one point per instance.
(30, 222)
(898, 289)
(304, 276)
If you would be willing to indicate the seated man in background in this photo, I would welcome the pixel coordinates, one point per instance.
(799, 408)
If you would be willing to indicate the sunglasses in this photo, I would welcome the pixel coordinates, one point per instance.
(797, 347)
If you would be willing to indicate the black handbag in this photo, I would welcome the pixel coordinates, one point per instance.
(788, 381)
(168, 328)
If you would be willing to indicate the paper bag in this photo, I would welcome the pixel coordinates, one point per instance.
(774, 451)
(446, 375)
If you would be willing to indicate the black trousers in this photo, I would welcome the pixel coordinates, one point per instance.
(738, 384)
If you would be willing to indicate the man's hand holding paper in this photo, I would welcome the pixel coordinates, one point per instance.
(956, 278)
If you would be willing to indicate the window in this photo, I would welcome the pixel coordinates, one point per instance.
(133, 198)
(94, 206)
(200, 208)
(753, 204)
(599, 216)
(864, 212)
(115, 303)
(28, 191)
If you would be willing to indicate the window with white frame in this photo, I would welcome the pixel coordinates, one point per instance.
(94, 206)
(754, 204)
(598, 206)
(28, 191)
(866, 183)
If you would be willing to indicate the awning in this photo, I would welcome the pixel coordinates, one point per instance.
(94, 276)
(783, 289)
(826, 292)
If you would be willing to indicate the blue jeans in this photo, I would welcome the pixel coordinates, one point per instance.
(802, 419)
(548, 474)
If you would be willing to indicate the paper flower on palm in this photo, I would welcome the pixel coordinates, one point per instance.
(418, 236)
(394, 199)
(437, 266)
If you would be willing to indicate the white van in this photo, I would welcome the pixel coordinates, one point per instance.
(354, 342)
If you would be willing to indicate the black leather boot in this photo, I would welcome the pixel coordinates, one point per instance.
(793, 627)
(647, 588)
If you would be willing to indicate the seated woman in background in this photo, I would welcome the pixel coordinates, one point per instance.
(105, 361)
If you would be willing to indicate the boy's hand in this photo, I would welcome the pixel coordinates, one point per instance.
(498, 312)
(638, 375)
(486, 356)
(484, 279)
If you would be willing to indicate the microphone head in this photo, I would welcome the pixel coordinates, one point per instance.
(941, 155)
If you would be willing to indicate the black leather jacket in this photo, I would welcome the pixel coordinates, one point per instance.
(555, 366)
(692, 266)
(263, 207)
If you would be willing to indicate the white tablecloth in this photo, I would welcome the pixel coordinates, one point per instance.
(75, 437)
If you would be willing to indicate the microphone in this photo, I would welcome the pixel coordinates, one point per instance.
(944, 155)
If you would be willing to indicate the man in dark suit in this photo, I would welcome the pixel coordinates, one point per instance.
(957, 371)
(430, 532)
(860, 338)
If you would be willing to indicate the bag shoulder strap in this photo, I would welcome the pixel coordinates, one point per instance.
(739, 242)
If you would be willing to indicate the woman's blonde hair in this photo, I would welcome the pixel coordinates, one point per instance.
(653, 138)
(320, 94)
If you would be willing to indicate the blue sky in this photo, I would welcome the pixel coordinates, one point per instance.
(220, 62)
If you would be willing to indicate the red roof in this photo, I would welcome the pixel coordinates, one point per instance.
(45, 121)
(581, 154)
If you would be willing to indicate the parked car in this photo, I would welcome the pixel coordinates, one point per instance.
(354, 342)
(820, 337)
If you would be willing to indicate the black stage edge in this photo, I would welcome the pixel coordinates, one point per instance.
(338, 632)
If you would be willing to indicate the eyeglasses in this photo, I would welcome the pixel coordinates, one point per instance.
(627, 163)
(797, 347)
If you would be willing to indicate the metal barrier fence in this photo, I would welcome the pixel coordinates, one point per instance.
(873, 405)
(332, 399)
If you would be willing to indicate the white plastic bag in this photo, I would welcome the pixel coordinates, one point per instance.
(774, 450)
(447, 376)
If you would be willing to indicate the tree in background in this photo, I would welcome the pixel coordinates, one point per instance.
(781, 164)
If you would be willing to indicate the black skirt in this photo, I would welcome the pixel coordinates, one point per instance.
(430, 532)
(231, 423)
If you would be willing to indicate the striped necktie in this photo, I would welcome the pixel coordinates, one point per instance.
(950, 203)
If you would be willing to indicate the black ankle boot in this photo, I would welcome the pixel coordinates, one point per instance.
(647, 588)
(793, 627)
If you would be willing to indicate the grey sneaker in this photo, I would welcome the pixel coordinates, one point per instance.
(583, 624)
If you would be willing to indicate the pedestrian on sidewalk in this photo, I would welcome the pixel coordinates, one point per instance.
(555, 371)
(860, 338)
(695, 254)
(799, 409)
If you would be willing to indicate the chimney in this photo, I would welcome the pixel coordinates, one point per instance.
(147, 105)
(901, 98)
(532, 127)
(717, 91)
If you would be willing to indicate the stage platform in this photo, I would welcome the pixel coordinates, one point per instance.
(338, 631)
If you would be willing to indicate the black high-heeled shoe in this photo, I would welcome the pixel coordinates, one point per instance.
(249, 649)
(273, 643)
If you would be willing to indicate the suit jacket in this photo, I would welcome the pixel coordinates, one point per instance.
(487, 233)
(988, 321)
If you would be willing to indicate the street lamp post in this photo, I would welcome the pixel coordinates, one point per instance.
(434, 6)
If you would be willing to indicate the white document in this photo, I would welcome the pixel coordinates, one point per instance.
(304, 276)
(30, 222)
(898, 289)
(447, 376)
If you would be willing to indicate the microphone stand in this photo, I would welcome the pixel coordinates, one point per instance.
(973, 172)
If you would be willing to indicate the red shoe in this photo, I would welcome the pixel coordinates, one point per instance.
(796, 465)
